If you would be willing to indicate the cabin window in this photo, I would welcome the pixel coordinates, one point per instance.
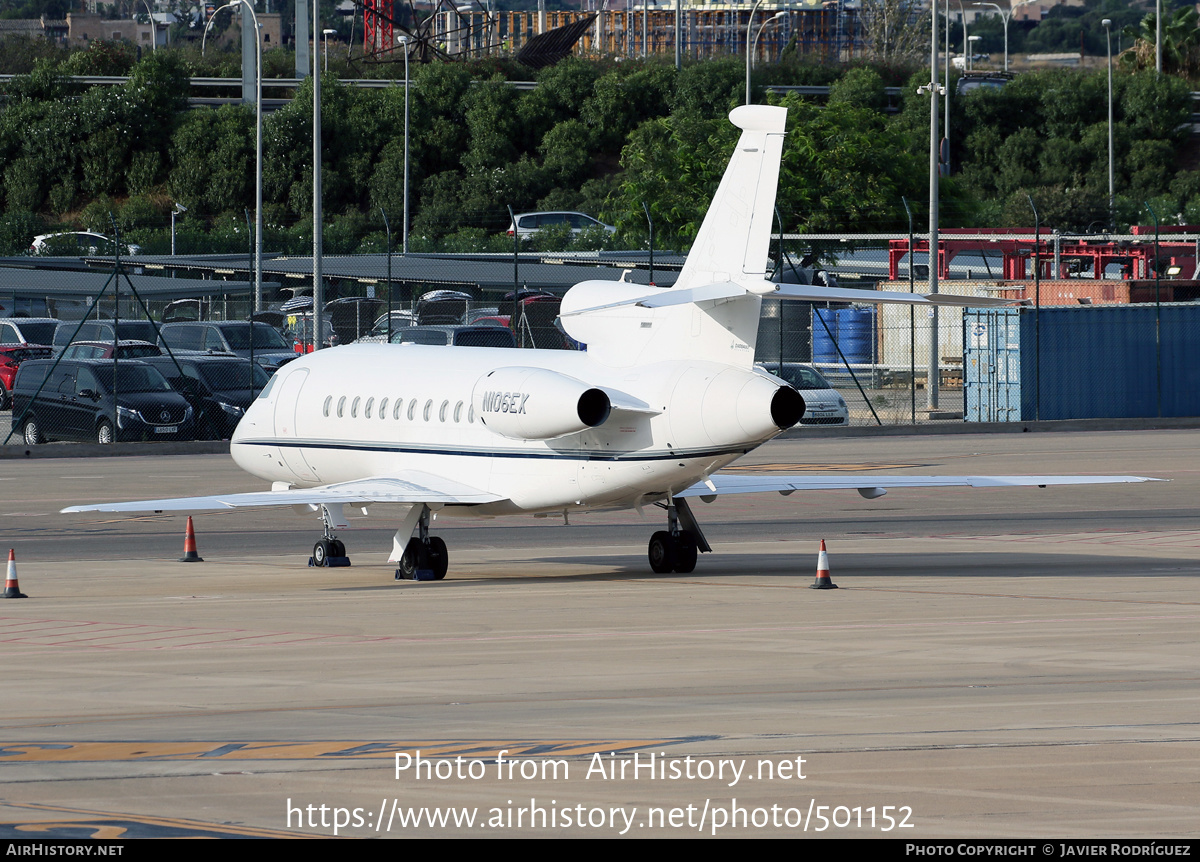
(367, 411)
(341, 406)
(399, 408)
(428, 409)
(458, 412)
(412, 409)
(442, 411)
(383, 409)
(354, 408)
(328, 404)
(471, 414)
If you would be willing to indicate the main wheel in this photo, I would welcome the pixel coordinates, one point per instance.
(336, 548)
(662, 552)
(686, 552)
(5, 398)
(104, 433)
(33, 434)
(415, 556)
(321, 552)
(439, 557)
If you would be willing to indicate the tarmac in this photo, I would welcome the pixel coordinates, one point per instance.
(1000, 663)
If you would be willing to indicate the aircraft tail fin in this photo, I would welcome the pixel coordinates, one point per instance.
(712, 310)
(734, 240)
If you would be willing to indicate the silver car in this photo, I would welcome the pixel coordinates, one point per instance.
(527, 224)
(822, 403)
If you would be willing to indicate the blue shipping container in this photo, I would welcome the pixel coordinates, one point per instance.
(1098, 361)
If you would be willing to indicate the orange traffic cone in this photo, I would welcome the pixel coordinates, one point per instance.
(189, 545)
(823, 581)
(12, 590)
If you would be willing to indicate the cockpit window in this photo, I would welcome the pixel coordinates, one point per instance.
(267, 389)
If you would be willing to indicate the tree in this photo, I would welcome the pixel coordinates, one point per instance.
(894, 31)
(1180, 47)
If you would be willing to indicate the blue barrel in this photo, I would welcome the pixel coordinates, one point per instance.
(856, 330)
(823, 349)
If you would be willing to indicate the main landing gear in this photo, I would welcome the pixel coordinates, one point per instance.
(677, 548)
(329, 551)
(425, 557)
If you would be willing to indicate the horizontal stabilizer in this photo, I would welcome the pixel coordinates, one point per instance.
(668, 297)
(723, 291)
(816, 293)
(410, 487)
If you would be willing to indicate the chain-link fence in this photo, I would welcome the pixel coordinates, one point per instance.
(171, 347)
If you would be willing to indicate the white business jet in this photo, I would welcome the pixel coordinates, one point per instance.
(665, 395)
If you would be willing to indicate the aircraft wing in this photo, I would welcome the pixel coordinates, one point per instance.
(876, 486)
(410, 487)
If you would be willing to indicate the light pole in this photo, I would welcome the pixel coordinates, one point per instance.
(749, 47)
(763, 26)
(404, 228)
(1112, 215)
(971, 40)
(153, 26)
(325, 34)
(318, 224)
(933, 88)
(1005, 17)
(179, 209)
(258, 160)
(1158, 37)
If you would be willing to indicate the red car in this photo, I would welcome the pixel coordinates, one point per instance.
(12, 355)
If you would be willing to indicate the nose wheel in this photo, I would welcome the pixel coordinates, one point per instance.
(329, 551)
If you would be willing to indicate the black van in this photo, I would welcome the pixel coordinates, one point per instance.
(76, 402)
(219, 388)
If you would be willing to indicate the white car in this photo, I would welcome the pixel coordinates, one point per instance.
(78, 244)
(528, 224)
(379, 332)
(822, 403)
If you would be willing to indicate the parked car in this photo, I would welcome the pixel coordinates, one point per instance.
(459, 336)
(822, 403)
(231, 336)
(75, 402)
(528, 224)
(102, 330)
(126, 349)
(78, 244)
(351, 317)
(11, 357)
(27, 330)
(973, 81)
(219, 388)
(442, 307)
(379, 331)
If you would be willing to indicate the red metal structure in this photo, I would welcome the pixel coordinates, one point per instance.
(1074, 253)
(379, 37)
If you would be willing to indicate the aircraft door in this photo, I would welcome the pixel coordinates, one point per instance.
(287, 402)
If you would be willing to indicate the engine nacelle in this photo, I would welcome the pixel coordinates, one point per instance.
(717, 406)
(537, 404)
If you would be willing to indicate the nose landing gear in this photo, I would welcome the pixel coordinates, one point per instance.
(329, 551)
